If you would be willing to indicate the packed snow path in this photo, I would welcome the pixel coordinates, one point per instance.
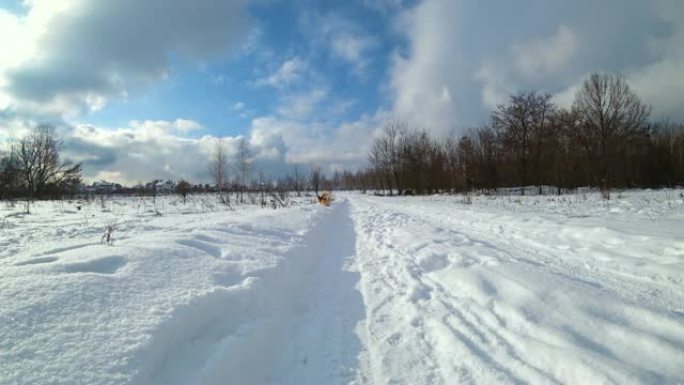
(369, 291)
(295, 324)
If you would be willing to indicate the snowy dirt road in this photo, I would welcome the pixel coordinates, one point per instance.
(368, 291)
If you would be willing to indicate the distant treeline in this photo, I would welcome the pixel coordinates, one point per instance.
(604, 140)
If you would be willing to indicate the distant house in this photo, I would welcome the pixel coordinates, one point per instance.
(166, 186)
(161, 187)
(104, 187)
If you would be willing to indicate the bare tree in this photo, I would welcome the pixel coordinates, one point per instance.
(565, 165)
(450, 149)
(610, 114)
(667, 148)
(298, 180)
(522, 123)
(37, 157)
(604, 140)
(10, 181)
(487, 158)
(466, 161)
(385, 155)
(182, 189)
(380, 161)
(264, 187)
(315, 178)
(243, 166)
(218, 167)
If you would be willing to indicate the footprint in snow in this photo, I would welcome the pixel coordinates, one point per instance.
(433, 262)
(394, 339)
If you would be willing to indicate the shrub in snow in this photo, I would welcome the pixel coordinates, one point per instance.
(107, 236)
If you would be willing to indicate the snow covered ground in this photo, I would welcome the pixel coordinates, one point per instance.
(372, 290)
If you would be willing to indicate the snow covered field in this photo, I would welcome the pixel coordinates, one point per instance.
(372, 290)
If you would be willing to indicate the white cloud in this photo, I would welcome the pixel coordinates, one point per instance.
(456, 66)
(566, 97)
(12, 129)
(141, 151)
(290, 71)
(185, 125)
(545, 56)
(71, 56)
(661, 82)
(303, 104)
(321, 143)
(353, 49)
(494, 88)
(150, 129)
(15, 50)
(423, 82)
(146, 150)
(340, 107)
(341, 38)
(240, 108)
(532, 61)
(16, 45)
(662, 85)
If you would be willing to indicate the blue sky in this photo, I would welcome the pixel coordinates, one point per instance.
(223, 93)
(141, 90)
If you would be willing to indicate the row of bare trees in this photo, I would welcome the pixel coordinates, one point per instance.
(605, 140)
(32, 167)
(241, 168)
(220, 167)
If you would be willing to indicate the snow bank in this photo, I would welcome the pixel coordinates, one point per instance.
(75, 311)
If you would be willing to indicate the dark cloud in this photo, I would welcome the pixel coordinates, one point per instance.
(42, 84)
(91, 155)
(104, 49)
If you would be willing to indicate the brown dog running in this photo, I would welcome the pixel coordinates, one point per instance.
(325, 198)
